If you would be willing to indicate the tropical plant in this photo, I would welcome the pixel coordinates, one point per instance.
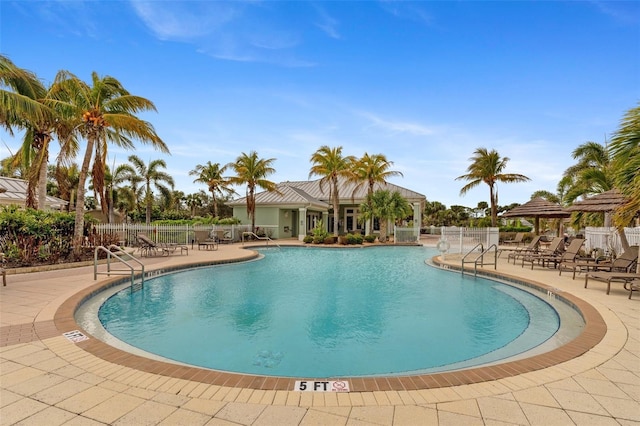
(151, 177)
(487, 167)
(23, 104)
(212, 176)
(103, 112)
(387, 206)
(372, 169)
(193, 201)
(625, 149)
(330, 165)
(252, 171)
(66, 178)
(592, 174)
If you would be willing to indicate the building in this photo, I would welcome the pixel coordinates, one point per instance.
(296, 207)
(14, 192)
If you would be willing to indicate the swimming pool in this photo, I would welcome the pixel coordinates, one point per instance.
(312, 312)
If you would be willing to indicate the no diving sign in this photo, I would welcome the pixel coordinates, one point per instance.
(321, 386)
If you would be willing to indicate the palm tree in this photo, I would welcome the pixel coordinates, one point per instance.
(252, 171)
(331, 165)
(625, 149)
(151, 176)
(67, 180)
(19, 93)
(103, 112)
(372, 169)
(487, 166)
(193, 201)
(211, 175)
(40, 123)
(386, 206)
(592, 174)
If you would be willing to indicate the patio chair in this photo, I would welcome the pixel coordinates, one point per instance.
(624, 263)
(203, 239)
(149, 248)
(626, 278)
(517, 240)
(555, 249)
(3, 271)
(632, 286)
(223, 236)
(570, 255)
(515, 253)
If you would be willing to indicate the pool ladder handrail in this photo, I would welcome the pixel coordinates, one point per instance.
(480, 258)
(111, 254)
(266, 238)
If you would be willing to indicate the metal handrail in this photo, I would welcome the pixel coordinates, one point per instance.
(111, 254)
(266, 238)
(480, 258)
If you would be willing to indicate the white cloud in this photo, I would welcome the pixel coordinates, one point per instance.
(395, 126)
(327, 23)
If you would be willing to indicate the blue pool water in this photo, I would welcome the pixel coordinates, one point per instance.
(314, 312)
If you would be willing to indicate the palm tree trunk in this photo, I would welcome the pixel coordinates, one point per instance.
(494, 207)
(215, 204)
(82, 178)
(336, 207)
(42, 179)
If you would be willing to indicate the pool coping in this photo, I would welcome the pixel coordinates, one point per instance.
(594, 331)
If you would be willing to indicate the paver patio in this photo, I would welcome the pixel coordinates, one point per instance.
(46, 379)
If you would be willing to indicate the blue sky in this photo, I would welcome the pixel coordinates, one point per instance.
(425, 83)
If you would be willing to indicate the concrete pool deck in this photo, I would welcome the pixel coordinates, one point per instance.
(47, 379)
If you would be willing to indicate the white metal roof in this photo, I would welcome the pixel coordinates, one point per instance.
(311, 194)
(16, 193)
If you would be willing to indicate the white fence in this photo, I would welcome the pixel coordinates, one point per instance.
(406, 235)
(607, 240)
(463, 240)
(182, 234)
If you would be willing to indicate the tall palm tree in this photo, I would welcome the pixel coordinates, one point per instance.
(372, 169)
(193, 201)
(593, 172)
(330, 165)
(40, 123)
(625, 149)
(103, 112)
(252, 171)
(386, 206)
(67, 180)
(487, 166)
(19, 93)
(151, 176)
(212, 176)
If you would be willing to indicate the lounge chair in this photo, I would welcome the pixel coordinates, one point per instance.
(203, 239)
(555, 249)
(517, 252)
(223, 236)
(624, 263)
(517, 240)
(570, 255)
(2, 270)
(148, 247)
(632, 286)
(626, 278)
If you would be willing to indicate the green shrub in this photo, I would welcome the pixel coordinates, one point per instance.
(318, 240)
(330, 240)
(354, 239)
(370, 238)
(307, 239)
